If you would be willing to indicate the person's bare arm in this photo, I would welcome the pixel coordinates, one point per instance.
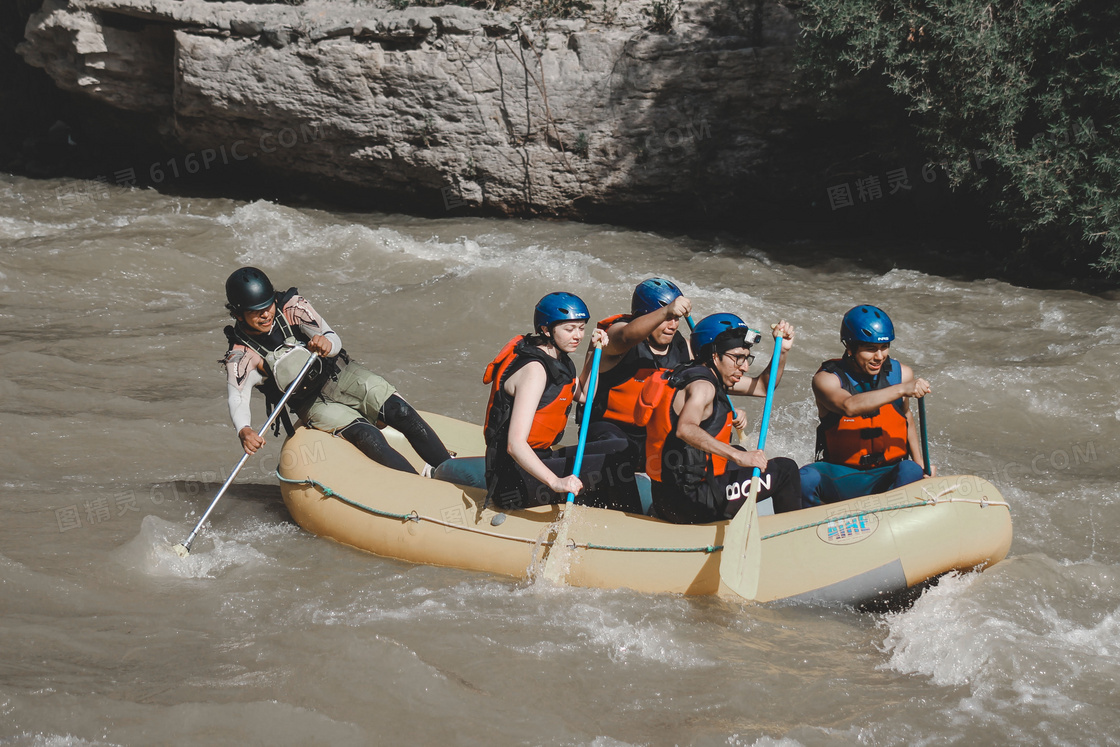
(755, 386)
(696, 401)
(526, 387)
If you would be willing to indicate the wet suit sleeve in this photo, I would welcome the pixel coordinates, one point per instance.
(299, 311)
(241, 376)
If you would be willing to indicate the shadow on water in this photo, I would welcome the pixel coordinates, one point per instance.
(200, 495)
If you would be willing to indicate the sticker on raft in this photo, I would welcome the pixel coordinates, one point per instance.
(849, 530)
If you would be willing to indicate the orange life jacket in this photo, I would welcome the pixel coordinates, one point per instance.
(555, 402)
(618, 389)
(668, 458)
(864, 441)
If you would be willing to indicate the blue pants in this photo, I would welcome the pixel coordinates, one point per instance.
(823, 482)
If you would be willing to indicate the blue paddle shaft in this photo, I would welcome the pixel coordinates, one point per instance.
(925, 439)
(771, 382)
(592, 380)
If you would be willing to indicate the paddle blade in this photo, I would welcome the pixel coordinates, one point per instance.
(559, 557)
(558, 560)
(741, 561)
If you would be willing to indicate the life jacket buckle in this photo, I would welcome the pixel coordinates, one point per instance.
(870, 461)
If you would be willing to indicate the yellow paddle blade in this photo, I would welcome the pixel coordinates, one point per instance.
(741, 560)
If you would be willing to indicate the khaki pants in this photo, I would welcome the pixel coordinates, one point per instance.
(357, 393)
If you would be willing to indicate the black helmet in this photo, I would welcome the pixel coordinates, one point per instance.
(249, 289)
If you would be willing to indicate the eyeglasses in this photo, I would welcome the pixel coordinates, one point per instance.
(740, 358)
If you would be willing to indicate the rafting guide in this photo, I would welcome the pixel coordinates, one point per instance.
(273, 332)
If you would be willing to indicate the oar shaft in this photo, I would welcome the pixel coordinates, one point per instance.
(263, 429)
(925, 437)
(592, 380)
(764, 425)
(218, 497)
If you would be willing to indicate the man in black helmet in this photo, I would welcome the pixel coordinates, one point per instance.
(336, 396)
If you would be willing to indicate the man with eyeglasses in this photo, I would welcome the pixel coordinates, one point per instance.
(866, 440)
(697, 475)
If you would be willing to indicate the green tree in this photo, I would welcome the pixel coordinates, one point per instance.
(1030, 89)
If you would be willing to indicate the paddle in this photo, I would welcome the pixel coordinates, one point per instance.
(184, 549)
(742, 544)
(738, 431)
(925, 439)
(553, 565)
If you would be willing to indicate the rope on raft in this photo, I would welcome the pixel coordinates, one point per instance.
(931, 500)
(413, 516)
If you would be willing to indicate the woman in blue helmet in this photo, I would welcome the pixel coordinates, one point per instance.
(533, 385)
(697, 475)
(866, 439)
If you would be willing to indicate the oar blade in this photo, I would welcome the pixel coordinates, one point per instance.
(741, 564)
(557, 561)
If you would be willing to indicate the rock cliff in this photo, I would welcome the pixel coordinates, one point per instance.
(450, 107)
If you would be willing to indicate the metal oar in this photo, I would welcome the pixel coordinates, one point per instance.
(184, 549)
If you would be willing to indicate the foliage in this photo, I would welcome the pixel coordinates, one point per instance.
(582, 146)
(541, 9)
(662, 15)
(1032, 87)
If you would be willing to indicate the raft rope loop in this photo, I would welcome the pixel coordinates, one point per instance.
(931, 500)
(415, 517)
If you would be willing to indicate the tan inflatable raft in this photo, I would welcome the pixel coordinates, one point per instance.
(850, 552)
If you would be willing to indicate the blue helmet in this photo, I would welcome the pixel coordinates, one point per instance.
(652, 294)
(726, 329)
(866, 324)
(559, 307)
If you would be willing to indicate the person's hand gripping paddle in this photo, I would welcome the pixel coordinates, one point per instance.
(556, 562)
(183, 549)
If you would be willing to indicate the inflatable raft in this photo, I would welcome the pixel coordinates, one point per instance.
(850, 552)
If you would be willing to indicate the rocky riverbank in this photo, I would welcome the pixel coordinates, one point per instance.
(451, 108)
